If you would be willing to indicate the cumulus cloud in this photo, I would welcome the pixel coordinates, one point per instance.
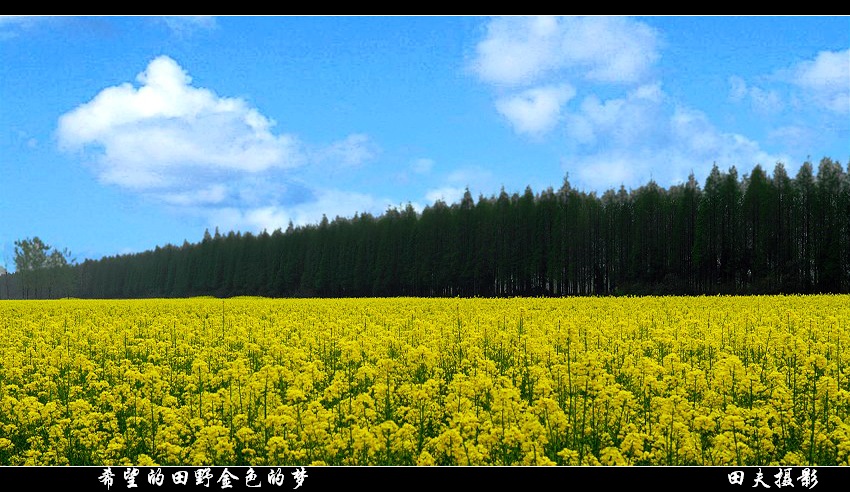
(150, 136)
(620, 121)
(822, 82)
(594, 80)
(535, 111)
(475, 178)
(214, 157)
(328, 202)
(517, 49)
(448, 194)
(764, 101)
(210, 195)
(521, 50)
(826, 79)
(556, 58)
(607, 170)
(256, 220)
(273, 205)
(698, 140)
(646, 136)
(335, 202)
(807, 102)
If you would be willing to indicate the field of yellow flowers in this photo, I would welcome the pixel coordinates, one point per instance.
(580, 381)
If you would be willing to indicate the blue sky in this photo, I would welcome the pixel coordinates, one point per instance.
(118, 134)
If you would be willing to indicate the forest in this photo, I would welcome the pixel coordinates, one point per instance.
(752, 234)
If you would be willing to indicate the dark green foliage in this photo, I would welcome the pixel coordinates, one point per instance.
(41, 271)
(754, 234)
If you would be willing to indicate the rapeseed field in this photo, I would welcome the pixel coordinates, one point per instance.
(404, 381)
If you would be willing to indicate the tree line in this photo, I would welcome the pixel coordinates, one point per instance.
(755, 234)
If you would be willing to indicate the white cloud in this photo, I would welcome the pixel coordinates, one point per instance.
(475, 178)
(448, 194)
(623, 128)
(517, 49)
(328, 202)
(521, 50)
(152, 135)
(822, 82)
(554, 54)
(535, 111)
(613, 49)
(253, 220)
(764, 101)
(212, 194)
(826, 79)
(620, 121)
(607, 170)
(334, 202)
(645, 136)
(211, 157)
(697, 140)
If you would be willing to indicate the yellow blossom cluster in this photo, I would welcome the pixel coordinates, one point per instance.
(575, 381)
